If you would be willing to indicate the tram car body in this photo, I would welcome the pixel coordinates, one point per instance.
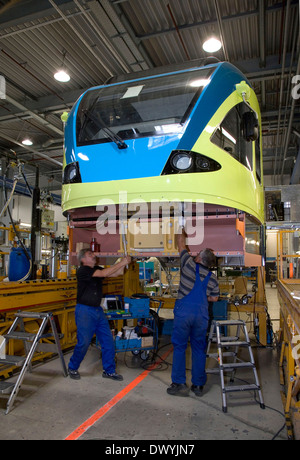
(176, 135)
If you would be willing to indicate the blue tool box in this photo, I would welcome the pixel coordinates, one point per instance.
(128, 344)
(220, 313)
(138, 307)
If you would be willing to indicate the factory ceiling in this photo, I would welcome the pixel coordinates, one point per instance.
(98, 39)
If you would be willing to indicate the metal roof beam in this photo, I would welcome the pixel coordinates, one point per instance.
(31, 150)
(40, 119)
(214, 22)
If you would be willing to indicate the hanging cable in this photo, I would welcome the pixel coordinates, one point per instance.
(10, 197)
(17, 177)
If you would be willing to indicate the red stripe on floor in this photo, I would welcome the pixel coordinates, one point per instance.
(104, 409)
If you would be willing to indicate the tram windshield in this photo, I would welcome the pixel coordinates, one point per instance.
(153, 106)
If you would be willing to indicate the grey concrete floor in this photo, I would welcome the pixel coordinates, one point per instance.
(50, 406)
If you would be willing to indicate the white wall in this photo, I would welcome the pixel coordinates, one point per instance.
(271, 244)
(22, 213)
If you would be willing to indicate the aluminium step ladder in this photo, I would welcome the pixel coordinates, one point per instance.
(232, 345)
(31, 344)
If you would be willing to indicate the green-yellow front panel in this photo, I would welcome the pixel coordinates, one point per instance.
(232, 186)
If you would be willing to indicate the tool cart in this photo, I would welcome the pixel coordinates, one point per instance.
(141, 338)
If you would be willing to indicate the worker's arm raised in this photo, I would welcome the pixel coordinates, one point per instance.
(114, 270)
(181, 244)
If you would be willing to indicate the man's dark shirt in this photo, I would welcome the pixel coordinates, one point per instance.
(89, 288)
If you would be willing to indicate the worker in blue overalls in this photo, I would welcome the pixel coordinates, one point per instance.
(198, 286)
(89, 315)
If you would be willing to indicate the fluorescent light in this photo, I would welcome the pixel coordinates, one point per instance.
(27, 142)
(23, 224)
(62, 76)
(212, 45)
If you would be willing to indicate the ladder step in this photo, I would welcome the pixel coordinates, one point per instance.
(216, 370)
(15, 360)
(229, 338)
(20, 335)
(241, 388)
(31, 315)
(237, 365)
(234, 344)
(230, 322)
(6, 387)
(216, 355)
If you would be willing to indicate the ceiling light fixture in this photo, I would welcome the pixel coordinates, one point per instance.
(62, 75)
(27, 142)
(212, 45)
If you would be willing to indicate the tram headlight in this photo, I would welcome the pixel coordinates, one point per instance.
(71, 174)
(187, 161)
(203, 163)
(182, 161)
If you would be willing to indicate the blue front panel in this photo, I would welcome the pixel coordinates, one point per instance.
(70, 135)
(144, 157)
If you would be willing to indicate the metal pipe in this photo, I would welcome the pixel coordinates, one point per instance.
(34, 115)
(42, 155)
(80, 37)
(281, 85)
(262, 47)
(103, 37)
(221, 30)
(178, 32)
(288, 132)
(30, 73)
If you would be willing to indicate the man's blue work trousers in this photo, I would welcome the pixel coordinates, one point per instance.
(190, 322)
(90, 321)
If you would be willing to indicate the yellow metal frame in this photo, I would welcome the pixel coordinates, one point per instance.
(280, 255)
(58, 297)
(290, 353)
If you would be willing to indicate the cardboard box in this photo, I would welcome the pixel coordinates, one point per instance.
(80, 246)
(147, 342)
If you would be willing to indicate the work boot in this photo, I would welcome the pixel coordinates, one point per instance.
(112, 376)
(178, 389)
(198, 390)
(74, 374)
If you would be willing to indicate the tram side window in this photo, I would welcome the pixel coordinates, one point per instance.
(257, 159)
(229, 136)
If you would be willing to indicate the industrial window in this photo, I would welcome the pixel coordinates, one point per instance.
(229, 136)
